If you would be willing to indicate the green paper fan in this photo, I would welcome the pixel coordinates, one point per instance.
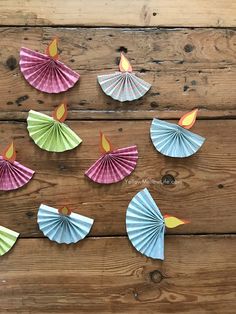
(7, 239)
(49, 134)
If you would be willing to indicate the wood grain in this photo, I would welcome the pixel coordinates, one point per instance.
(187, 69)
(203, 191)
(119, 13)
(108, 276)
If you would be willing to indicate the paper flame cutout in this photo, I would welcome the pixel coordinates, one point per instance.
(9, 153)
(52, 50)
(124, 64)
(188, 120)
(105, 144)
(60, 113)
(65, 211)
(172, 222)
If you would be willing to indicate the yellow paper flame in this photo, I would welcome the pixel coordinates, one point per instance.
(60, 113)
(124, 64)
(10, 153)
(105, 144)
(172, 222)
(188, 120)
(65, 211)
(52, 50)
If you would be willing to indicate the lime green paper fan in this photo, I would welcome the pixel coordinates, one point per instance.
(7, 239)
(49, 134)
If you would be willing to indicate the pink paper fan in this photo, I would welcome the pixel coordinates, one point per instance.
(13, 175)
(114, 166)
(45, 72)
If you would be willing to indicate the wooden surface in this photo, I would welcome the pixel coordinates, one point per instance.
(193, 65)
(217, 13)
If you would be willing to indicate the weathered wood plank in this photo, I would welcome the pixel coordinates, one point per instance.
(107, 275)
(119, 13)
(187, 68)
(204, 189)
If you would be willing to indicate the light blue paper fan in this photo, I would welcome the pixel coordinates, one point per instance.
(145, 225)
(63, 228)
(174, 141)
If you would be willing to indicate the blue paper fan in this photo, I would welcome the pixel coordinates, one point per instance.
(145, 225)
(174, 141)
(62, 228)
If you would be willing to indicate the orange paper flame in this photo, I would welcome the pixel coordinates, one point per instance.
(65, 211)
(60, 113)
(124, 64)
(52, 50)
(172, 222)
(188, 120)
(9, 153)
(105, 144)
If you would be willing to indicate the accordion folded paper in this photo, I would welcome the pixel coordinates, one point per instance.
(13, 175)
(176, 140)
(7, 239)
(45, 72)
(145, 225)
(114, 165)
(123, 85)
(62, 225)
(50, 133)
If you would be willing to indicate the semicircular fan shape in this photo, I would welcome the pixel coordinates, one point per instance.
(123, 86)
(13, 175)
(49, 134)
(174, 141)
(61, 228)
(114, 166)
(46, 74)
(145, 225)
(7, 239)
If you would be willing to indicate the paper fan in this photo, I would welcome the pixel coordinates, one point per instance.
(63, 226)
(114, 165)
(45, 72)
(123, 85)
(50, 133)
(7, 239)
(145, 225)
(13, 175)
(175, 140)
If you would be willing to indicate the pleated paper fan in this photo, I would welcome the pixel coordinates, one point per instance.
(123, 85)
(45, 72)
(145, 225)
(63, 226)
(50, 133)
(114, 165)
(174, 140)
(13, 175)
(7, 239)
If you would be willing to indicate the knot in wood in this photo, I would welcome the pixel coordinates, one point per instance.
(11, 63)
(156, 276)
(168, 179)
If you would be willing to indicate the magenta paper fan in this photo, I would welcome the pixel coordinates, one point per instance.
(114, 165)
(45, 72)
(13, 175)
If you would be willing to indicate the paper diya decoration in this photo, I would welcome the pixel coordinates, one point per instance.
(62, 225)
(13, 175)
(50, 133)
(114, 165)
(145, 225)
(45, 72)
(176, 140)
(123, 85)
(7, 239)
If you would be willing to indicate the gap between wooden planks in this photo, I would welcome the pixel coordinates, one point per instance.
(135, 13)
(107, 275)
(203, 189)
(187, 69)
